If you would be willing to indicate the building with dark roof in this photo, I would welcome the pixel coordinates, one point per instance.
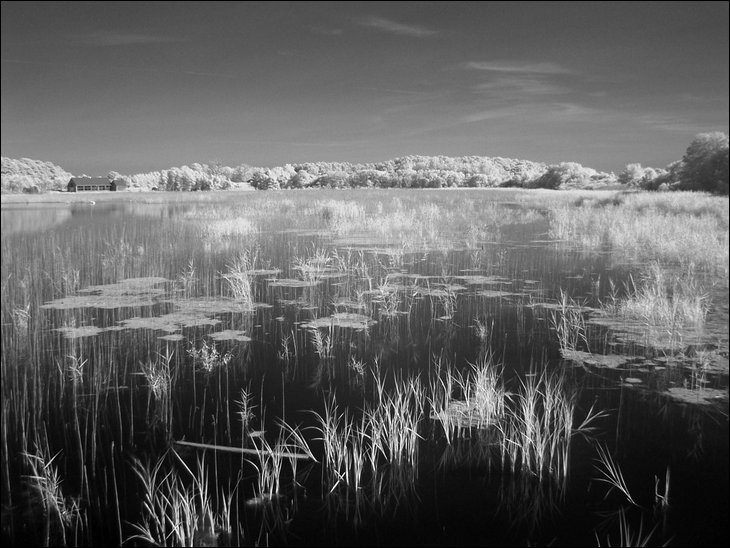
(85, 184)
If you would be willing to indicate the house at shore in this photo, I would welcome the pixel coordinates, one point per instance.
(84, 184)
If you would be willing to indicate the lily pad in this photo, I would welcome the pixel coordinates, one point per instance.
(291, 282)
(611, 361)
(703, 396)
(230, 335)
(78, 332)
(341, 319)
(495, 294)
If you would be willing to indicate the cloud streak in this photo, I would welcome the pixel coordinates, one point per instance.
(555, 112)
(520, 84)
(393, 27)
(516, 67)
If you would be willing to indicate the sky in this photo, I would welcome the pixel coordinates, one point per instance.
(140, 86)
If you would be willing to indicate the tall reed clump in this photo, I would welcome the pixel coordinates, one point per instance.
(384, 431)
(475, 399)
(674, 228)
(387, 295)
(312, 267)
(159, 376)
(175, 513)
(336, 434)
(289, 447)
(63, 521)
(569, 324)
(539, 426)
(238, 279)
(340, 216)
(394, 417)
(665, 299)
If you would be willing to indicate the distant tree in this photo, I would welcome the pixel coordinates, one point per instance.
(666, 179)
(565, 174)
(262, 179)
(705, 163)
(334, 179)
(454, 178)
(113, 176)
(18, 174)
(361, 179)
(477, 181)
(215, 167)
(631, 175)
(301, 179)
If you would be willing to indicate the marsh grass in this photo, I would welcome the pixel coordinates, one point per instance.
(208, 358)
(476, 399)
(158, 375)
(611, 474)
(676, 228)
(314, 266)
(62, 517)
(238, 279)
(531, 428)
(175, 513)
(388, 297)
(187, 281)
(385, 431)
(664, 299)
(569, 324)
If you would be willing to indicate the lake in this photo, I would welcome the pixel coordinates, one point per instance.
(377, 367)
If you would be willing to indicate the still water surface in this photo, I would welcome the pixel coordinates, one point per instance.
(153, 279)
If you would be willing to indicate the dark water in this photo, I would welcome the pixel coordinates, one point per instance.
(458, 493)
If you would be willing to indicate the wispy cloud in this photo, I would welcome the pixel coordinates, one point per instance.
(672, 123)
(554, 112)
(388, 25)
(489, 114)
(395, 90)
(106, 38)
(522, 85)
(519, 67)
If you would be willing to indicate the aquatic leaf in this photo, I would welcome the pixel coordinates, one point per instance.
(230, 335)
(78, 332)
(290, 282)
(341, 319)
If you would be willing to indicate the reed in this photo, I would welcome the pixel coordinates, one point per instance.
(323, 344)
(238, 280)
(665, 300)
(569, 324)
(208, 358)
(312, 268)
(174, 513)
(539, 426)
(395, 416)
(610, 473)
(388, 297)
(680, 228)
(187, 280)
(61, 515)
(474, 400)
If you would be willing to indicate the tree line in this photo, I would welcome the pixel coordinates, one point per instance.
(704, 166)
